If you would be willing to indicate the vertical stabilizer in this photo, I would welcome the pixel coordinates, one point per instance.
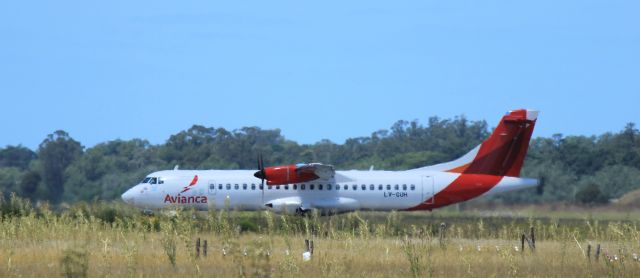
(503, 153)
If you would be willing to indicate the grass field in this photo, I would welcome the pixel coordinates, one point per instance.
(112, 240)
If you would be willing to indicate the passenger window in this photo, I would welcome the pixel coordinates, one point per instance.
(404, 187)
(295, 187)
(228, 186)
(413, 187)
(244, 186)
(337, 187)
(302, 186)
(219, 186)
(372, 187)
(355, 187)
(212, 187)
(328, 186)
(311, 187)
(396, 187)
(319, 186)
(261, 187)
(286, 187)
(253, 186)
(346, 187)
(388, 187)
(236, 186)
(380, 187)
(364, 187)
(277, 187)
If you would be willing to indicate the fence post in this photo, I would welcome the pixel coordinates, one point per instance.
(311, 247)
(204, 250)
(522, 243)
(198, 247)
(533, 238)
(589, 252)
(598, 252)
(443, 227)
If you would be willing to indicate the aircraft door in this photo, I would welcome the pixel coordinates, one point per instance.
(427, 189)
(212, 187)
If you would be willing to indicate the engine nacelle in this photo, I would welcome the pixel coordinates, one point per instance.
(287, 174)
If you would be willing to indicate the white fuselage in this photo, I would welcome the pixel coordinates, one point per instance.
(491, 167)
(347, 191)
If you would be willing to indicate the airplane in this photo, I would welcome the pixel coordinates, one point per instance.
(491, 167)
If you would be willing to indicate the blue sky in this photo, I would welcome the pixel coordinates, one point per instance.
(103, 70)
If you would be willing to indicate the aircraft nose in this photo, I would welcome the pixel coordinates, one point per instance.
(129, 196)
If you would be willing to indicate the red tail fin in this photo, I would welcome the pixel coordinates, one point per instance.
(502, 154)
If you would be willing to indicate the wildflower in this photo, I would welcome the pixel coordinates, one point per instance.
(610, 258)
(306, 256)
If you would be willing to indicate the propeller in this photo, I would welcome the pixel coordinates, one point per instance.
(261, 174)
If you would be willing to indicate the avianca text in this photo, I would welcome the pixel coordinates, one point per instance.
(185, 199)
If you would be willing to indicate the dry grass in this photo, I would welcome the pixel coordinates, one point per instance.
(143, 256)
(77, 243)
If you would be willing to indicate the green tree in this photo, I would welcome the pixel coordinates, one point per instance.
(29, 184)
(9, 180)
(57, 152)
(108, 169)
(16, 156)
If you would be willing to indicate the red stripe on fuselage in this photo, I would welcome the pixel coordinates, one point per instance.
(465, 187)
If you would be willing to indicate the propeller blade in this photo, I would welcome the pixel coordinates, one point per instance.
(261, 174)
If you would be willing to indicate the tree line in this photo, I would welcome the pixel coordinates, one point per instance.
(575, 169)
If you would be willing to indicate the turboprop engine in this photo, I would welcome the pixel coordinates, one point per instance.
(286, 174)
(294, 173)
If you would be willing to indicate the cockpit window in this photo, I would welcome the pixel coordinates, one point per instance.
(153, 180)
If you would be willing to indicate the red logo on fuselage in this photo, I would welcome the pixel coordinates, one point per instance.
(193, 182)
(187, 199)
